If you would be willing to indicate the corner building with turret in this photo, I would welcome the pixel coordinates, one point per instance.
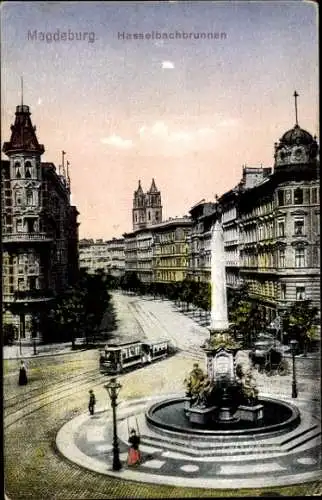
(39, 231)
(271, 224)
(279, 227)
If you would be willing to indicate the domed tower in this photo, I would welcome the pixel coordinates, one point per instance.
(138, 211)
(297, 188)
(153, 205)
(296, 153)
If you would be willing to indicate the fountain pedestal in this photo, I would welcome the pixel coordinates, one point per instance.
(251, 413)
(226, 415)
(201, 416)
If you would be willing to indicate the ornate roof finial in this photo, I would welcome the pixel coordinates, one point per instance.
(67, 173)
(63, 162)
(21, 79)
(295, 99)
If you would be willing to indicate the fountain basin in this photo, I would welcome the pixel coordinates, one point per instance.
(168, 416)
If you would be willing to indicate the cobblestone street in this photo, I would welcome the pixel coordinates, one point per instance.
(33, 467)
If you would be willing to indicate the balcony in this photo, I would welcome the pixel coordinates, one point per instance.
(26, 238)
(231, 242)
(35, 295)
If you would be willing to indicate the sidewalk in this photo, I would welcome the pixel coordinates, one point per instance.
(27, 351)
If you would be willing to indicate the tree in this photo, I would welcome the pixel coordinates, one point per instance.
(187, 292)
(131, 282)
(9, 332)
(299, 323)
(247, 320)
(79, 310)
(70, 314)
(235, 296)
(202, 298)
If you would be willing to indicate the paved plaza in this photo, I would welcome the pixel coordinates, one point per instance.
(281, 460)
(84, 461)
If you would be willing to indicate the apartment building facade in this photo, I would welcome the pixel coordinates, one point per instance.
(99, 255)
(39, 230)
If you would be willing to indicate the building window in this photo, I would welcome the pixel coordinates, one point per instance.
(17, 170)
(19, 226)
(314, 195)
(299, 227)
(280, 195)
(300, 293)
(28, 170)
(18, 197)
(21, 259)
(282, 257)
(283, 291)
(315, 256)
(21, 283)
(317, 222)
(298, 196)
(307, 196)
(288, 197)
(281, 228)
(30, 225)
(299, 257)
(29, 197)
(32, 282)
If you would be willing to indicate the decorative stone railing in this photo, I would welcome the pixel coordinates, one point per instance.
(19, 237)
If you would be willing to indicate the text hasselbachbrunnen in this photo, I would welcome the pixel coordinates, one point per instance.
(174, 35)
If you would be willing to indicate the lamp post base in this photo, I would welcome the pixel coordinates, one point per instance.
(116, 463)
(294, 391)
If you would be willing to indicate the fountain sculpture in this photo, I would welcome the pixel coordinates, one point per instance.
(224, 399)
(225, 394)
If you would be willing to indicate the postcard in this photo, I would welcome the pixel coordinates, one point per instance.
(160, 249)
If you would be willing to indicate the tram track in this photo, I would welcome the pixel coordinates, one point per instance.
(50, 397)
(56, 394)
(62, 479)
(14, 400)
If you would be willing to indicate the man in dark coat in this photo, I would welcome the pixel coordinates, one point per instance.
(22, 374)
(92, 402)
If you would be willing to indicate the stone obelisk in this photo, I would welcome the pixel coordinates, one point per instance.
(219, 313)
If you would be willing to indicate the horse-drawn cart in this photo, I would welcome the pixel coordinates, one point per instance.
(268, 359)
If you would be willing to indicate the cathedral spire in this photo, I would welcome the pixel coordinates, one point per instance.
(153, 188)
(139, 189)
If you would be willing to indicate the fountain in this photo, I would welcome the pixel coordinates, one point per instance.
(221, 432)
(224, 399)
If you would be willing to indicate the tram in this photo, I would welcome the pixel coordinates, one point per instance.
(116, 358)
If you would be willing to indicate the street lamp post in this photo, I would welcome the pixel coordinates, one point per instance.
(113, 389)
(293, 344)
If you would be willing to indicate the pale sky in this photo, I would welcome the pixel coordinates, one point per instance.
(188, 112)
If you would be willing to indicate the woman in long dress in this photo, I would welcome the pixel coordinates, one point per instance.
(22, 374)
(134, 454)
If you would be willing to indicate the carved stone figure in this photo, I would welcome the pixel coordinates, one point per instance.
(194, 381)
(250, 391)
(204, 391)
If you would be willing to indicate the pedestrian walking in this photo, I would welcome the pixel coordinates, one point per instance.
(134, 454)
(92, 402)
(22, 374)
